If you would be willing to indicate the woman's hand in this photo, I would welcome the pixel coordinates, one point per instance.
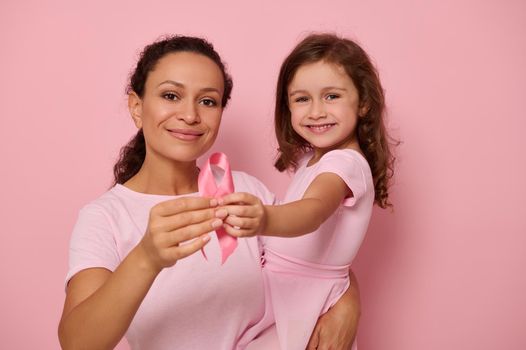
(245, 214)
(336, 329)
(178, 228)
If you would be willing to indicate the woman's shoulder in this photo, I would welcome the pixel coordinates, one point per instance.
(106, 204)
(244, 182)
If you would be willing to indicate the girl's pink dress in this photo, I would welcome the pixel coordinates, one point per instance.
(306, 275)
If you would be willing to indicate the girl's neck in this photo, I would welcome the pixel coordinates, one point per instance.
(319, 152)
(165, 177)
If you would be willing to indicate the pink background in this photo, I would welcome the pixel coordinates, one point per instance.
(445, 270)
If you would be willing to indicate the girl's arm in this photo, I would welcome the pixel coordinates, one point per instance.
(100, 305)
(247, 216)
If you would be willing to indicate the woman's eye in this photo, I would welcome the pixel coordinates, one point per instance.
(170, 96)
(209, 102)
(331, 97)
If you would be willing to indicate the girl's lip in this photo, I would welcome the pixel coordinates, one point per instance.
(320, 128)
(185, 134)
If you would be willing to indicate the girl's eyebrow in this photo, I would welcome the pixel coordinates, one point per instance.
(292, 93)
(334, 88)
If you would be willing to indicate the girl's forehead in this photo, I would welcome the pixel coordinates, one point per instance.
(320, 73)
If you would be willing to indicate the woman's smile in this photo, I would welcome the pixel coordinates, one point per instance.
(185, 134)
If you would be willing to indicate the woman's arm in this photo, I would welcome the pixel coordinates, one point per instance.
(247, 216)
(100, 305)
(337, 328)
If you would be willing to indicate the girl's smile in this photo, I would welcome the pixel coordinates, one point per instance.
(320, 128)
(324, 105)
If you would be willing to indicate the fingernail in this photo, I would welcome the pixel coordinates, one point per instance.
(220, 201)
(213, 202)
(205, 238)
(221, 213)
(217, 223)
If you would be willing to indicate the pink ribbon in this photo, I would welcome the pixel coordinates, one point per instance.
(209, 188)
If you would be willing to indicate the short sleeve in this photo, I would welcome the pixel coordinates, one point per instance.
(351, 167)
(92, 242)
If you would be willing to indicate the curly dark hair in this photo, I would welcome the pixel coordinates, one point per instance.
(371, 131)
(131, 156)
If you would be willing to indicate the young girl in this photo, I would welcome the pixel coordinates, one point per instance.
(330, 129)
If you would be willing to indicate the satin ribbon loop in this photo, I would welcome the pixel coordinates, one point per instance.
(208, 187)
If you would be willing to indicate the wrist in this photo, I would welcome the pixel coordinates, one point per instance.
(264, 220)
(144, 261)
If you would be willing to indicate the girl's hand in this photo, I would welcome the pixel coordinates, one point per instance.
(246, 215)
(178, 228)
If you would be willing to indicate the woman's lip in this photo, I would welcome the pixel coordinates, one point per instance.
(185, 134)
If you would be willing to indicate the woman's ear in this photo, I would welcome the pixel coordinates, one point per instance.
(135, 107)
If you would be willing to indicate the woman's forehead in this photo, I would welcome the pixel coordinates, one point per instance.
(188, 69)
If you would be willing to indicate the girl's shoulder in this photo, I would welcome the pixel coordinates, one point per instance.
(338, 155)
(352, 167)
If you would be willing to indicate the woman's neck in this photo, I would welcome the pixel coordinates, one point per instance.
(165, 177)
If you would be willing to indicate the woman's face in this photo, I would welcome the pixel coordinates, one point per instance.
(180, 111)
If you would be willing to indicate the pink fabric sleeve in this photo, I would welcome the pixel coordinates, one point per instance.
(349, 166)
(92, 242)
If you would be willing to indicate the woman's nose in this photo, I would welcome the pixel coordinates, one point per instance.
(188, 113)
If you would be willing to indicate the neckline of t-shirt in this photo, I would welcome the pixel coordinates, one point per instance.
(361, 156)
(129, 192)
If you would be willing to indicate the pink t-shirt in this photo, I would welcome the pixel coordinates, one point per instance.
(196, 304)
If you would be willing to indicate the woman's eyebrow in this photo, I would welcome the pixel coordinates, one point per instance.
(172, 83)
(181, 85)
(210, 89)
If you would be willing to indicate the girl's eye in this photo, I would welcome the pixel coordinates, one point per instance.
(331, 97)
(208, 102)
(170, 96)
(301, 99)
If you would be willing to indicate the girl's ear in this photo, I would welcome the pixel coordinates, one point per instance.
(363, 109)
(135, 108)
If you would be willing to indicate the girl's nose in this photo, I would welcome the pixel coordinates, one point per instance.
(318, 110)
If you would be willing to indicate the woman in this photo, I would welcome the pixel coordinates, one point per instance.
(122, 277)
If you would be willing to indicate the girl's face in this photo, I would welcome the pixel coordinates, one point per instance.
(180, 111)
(323, 104)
